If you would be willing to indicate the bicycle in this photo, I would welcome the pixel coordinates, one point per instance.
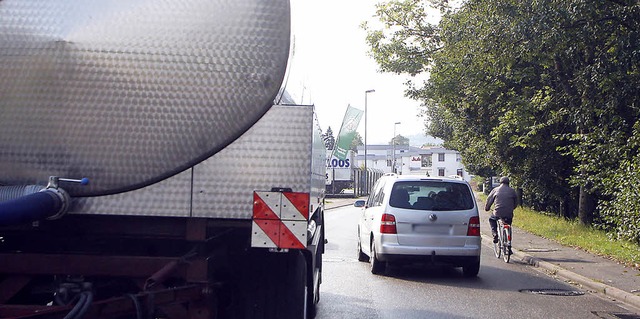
(503, 246)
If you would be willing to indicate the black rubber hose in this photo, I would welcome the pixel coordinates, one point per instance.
(30, 208)
(81, 307)
(138, 306)
(73, 314)
(86, 305)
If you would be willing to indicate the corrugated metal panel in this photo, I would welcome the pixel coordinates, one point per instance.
(127, 93)
(276, 152)
(283, 149)
(168, 198)
(318, 166)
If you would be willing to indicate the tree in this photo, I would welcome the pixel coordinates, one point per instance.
(545, 91)
(329, 139)
(357, 141)
(399, 140)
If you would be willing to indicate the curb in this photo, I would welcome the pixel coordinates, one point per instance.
(337, 206)
(609, 291)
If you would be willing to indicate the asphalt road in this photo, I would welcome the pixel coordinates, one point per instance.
(349, 290)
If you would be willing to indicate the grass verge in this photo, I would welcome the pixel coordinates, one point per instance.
(572, 233)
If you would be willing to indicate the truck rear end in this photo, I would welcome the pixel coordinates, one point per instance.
(149, 166)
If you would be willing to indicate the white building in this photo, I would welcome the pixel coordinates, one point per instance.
(430, 161)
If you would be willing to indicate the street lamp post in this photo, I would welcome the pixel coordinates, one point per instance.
(366, 173)
(393, 141)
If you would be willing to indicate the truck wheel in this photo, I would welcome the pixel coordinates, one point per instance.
(313, 294)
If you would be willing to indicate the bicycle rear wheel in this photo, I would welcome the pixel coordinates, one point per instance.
(506, 252)
(497, 248)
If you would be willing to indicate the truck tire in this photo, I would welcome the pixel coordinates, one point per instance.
(313, 293)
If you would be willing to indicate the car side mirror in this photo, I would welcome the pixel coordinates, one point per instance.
(359, 203)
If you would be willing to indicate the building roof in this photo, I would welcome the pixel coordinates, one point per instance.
(404, 149)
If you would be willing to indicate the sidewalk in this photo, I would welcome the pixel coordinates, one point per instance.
(590, 272)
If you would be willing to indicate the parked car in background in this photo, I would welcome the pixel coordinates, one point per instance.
(409, 219)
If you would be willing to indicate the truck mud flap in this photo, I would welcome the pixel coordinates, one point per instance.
(273, 285)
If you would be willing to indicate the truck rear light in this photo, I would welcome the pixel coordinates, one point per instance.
(388, 224)
(474, 226)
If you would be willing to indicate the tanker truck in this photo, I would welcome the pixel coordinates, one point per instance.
(152, 164)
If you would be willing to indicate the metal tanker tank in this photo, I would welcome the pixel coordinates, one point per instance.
(128, 93)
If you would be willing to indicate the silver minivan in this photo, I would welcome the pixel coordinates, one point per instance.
(412, 218)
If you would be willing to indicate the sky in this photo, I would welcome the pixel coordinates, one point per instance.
(332, 69)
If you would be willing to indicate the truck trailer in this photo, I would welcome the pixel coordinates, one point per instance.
(152, 164)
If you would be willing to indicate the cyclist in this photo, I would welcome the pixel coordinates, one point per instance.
(506, 201)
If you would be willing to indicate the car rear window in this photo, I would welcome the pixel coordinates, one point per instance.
(431, 195)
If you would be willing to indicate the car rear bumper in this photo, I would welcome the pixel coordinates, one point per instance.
(429, 259)
(392, 252)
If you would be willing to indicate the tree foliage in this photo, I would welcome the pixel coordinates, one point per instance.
(546, 91)
(329, 139)
(357, 141)
(622, 212)
(399, 140)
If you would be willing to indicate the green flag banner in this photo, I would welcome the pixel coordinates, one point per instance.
(347, 132)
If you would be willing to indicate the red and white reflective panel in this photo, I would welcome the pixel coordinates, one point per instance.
(280, 220)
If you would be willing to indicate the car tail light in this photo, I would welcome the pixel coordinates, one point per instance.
(388, 224)
(474, 226)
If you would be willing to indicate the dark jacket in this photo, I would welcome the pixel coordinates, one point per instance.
(505, 199)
